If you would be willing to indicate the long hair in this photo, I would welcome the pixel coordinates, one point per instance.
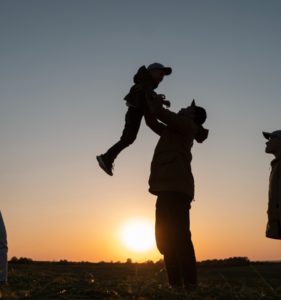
(199, 119)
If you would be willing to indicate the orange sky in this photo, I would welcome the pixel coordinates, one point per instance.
(65, 68)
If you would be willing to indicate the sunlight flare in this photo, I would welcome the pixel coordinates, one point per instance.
(138, 235)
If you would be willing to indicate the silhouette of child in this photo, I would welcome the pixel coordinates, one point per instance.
(146, 80)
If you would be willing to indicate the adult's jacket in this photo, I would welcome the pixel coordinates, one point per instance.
(273, 229)
(171, 163)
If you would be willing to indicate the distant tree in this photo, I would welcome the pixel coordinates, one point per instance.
(21, 260)
(63, 261)
(160, 262)
(129, 261)
(227, 262)
(14, 259)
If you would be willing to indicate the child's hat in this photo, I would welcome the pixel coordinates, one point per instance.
(157, 66)
(276, 134)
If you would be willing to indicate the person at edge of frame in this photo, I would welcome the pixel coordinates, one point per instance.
(3, 253)
(273, 146)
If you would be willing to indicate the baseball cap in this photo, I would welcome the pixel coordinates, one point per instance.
(157, 66)
(276, 134)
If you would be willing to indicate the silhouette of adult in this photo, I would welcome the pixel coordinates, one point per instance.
(3, 252)
(273, 146)
(171, 180)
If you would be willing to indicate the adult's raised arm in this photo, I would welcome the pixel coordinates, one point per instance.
(178, 122)
(152, 122)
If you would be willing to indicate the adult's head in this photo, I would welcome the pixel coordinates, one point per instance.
(199, 116)
(158, 71)
(197, 113)
(273, 144)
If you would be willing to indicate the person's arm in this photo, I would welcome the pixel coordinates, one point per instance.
(180, 123)
(153, 123)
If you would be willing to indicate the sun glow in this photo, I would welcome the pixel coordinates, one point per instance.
(138, 235)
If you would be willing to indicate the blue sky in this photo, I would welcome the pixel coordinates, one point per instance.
(65, 68)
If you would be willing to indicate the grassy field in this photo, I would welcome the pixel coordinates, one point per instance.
(45, 280)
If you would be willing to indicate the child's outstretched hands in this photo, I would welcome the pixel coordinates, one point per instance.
(162, 98)
(157, 101)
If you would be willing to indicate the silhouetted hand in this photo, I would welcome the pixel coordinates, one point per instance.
(162, 98)
(156, 102)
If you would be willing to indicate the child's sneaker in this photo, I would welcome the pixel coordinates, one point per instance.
(106, 165)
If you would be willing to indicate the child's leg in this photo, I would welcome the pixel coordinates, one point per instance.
(132, 124)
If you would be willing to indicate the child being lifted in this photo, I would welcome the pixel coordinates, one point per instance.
(146, 80)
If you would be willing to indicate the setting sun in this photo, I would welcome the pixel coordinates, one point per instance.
(138, 235)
